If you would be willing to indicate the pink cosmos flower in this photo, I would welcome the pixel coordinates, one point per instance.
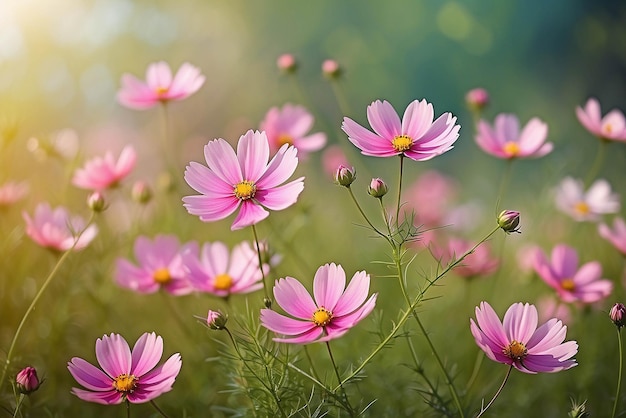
(431, 196)
(611, 127)
(101, 173)
(582, 205)
(160, 266)
(571, 283)
(125, 375)
(287, 63)
(57, 229)
(215, 270)
(290, 125)
(549, 307)
(12, 192)
(416, 136)
(477, 98)
(333, 312)
(506, 141)
(518, 342)
(332, 157)
(478, 263)
(245, 180)
(160, 86)
(616, 236)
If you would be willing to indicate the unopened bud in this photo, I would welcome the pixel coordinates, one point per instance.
(477, 99)
(96, 202)
(377, 188)
(27, 381)
(267, 302)
(618, 315)
(345, 176)
(331, 69)
(287, 63)
(508, 220)
(216, 320)
(141, 192)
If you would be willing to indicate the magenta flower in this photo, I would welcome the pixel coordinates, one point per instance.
(290, 125)
(479, 263)
(518, 342)
(506, 141)
(582, 205)
(616, 236)
(611, 127)
(57, 229)
(571, 283)
(160, 266)
(216, 270)
(27, 380)
(160, 86)
(125, 375)
(101, 173)
(12, 192)
(333, 312)
(416, 136)
(244, 180)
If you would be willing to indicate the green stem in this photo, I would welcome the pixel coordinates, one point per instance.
(597, 163)
(308, 356)
(619, 372)
(339, 96)
(159, 410)
(399, 192)
(268, 300)
(18, 404)
(343, 390)
(504, 183)
(483, 410)
(365, 216)
(127, 409)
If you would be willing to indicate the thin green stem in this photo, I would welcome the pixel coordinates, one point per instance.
(483, 410)
(127, 408)
(597, 162)
(339, 96)
(18, 404)
(619, 372)
(399, 203)
(159, 410)
(308, 357)
(504, 183)
(343, 390)
(268, 300)
(358, 206)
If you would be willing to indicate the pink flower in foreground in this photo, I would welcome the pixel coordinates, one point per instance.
(245, 180)
(218, 271)
(616, 236)
(582, 205)
(57, 229)
(571, 283)
(334, 311)
(518, 342)
(101, 173)
(125, 375)
(290, 125)
(160, 86)
(506, 141)
(611, 127)
(160, 266)
(416, 136)
(478, 263)
(12, 192)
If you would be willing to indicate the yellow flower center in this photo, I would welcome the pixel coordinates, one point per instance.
(582, 208)
(511, 148)
(402, 143)
(125, 383)
(322, 317)
(161, 90)
(245, 190)
(223, 282)
(516, 350)
(568, 284)
(284, 139)
(162, 276)
(608, 128)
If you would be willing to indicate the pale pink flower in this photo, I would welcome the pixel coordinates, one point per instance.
(611, 127)
(101, 173)
(287, 63)
(518, 342)
(549, 307)
(331, 68)
(332, 157)
(218, 271)
(334, 311)
(582, 205)
(160, 265)
(160, 86)
(430, 197)
(245, 180)
(416, 136)
(479, 263)
(477, 99)
(125, 375)
(571, 283)
(505, 140)
(616, 236)
(290, 125)
(57, 229)
(12, 192)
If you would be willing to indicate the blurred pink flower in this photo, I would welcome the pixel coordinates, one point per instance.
(12, 192)
(477, 99)
(216, 270)
(548, 308)
(57, 229)
(159, 86)
(101, 173)
(571, 283)
(616, 236)
(332, 157)
(160, 266)
(335, 310)
(582, 205)
(430, 197)
(506, 141)
(125, 375)
(290, 125)
(478, 263)
(331, 68)
(611, 127)
(518, 342)
(416, 136)
(243, 180)
(287, 63)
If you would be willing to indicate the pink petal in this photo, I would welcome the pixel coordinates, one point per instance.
(328, 285)
(292, 296)
(283, 325)
(354, 295)
(281, 197)
(564, 261)
(146, 353)
(417, 119)
(280, 168)
(368, 142)
(305, 338)
(113, 354)
(221, 159)
(111, 397)
(253, 152)
(89, 376)
(206, 182)
(384, 119)
(533, 136)
(490, 325)
(211, 209)
(249, 214)
(520, 322)
(158, 76)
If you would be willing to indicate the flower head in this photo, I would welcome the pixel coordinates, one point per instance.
(12, 192)
(27, 381)
(160, 86)
(103, 173)
(160, 266)
(518, 342)
(571, 283)
(287, 63)
(57, 229)
(331, 69)
(334, 311)
(216, 320)
(477, 99)
(126, 375)
(611, 127)
(572, 199)
(505, 140)
(244, 180)
(618, 315)
(290, 125)
(508, 220)
(416, 136)
(344, 175)
(377, 188)
(616, 236)
(141, 192)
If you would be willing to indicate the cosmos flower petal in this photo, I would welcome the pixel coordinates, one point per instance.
(113, 354)
(281, 197)
(280, 168)
(89, 376)
(304, 338)
(520, 322)
(368, 142)
(354, 295)
(253, 153)
(110, 397)
(383, 119)
(249, 214)
(283, 325)
(146, 353)
(293, 297)
(417, 119)
(328, 285)
(222, 161)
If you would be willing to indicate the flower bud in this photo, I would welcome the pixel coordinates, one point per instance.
(267, 302)
(331, 69)
(216, 320)
(287, 63)
(578, 410)
(618, 315)
(141, 192)
(345, 176)
(27, 381)
(96, 202)
(377, 188)
(477, 99)
(509, 221)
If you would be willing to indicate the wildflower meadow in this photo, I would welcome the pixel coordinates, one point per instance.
(323, 209)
